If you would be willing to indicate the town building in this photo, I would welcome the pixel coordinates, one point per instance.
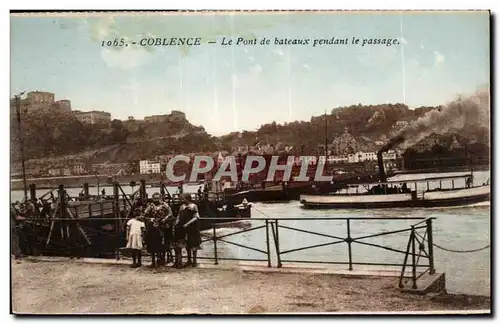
(390, 155)
(66, 168)
(62, 171)
(174, 116)
(147, 167)
(78, 168)
(344, 144)
(455, 145)
(398, 126)
(40, 101)
(156, 118)
(370, 156)
(40, 97)
(63, 105)
(93, 117)
(338, 159)
(109, 169)
(360, 157)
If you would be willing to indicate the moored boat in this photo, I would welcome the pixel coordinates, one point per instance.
(396, 194)
(101, 221)
(293, 190)
(401, 194)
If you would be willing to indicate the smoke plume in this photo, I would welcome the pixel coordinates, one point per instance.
(461, 114)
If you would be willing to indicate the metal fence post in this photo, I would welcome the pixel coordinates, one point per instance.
(404, 263)
(278, 244)
(32, 188)
(214, 238)
(349, 241)
(267, 245)
(414, 266)
(276, 241)
(62, 210)
(142, 192)
(430, 246)
(62, 200)
(116, 209)
(162, 191)
(86, 190)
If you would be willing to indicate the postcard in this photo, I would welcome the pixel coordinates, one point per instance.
(250, 162)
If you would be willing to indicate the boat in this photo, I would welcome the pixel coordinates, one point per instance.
(392, 194)
(403, 194)
(101, 220)
(287, 191)
(211, 211)
(293, 190)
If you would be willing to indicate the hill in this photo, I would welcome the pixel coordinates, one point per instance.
(60, 134)
(366, 127)
(367, 124)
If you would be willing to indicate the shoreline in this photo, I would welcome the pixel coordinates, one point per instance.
(105, 181)
(116, 288)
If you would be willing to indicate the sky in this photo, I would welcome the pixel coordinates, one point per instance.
(232, 88)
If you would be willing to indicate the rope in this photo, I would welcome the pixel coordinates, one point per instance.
(455, 251)
(461, 251)
(264, 214)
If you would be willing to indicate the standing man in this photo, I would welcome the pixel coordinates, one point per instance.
(15, 241)
(29, 212)
(468, 182)
(159, 239)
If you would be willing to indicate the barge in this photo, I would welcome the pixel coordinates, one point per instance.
(396, 194)
(402, 194)
(95, 226)
(294, 190)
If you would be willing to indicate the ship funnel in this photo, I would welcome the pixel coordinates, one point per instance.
(381, 169)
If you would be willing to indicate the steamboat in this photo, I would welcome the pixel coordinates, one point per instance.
(403, 194)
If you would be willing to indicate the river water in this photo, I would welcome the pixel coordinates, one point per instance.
(456, 228)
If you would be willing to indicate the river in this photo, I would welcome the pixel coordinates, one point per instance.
(456, 228)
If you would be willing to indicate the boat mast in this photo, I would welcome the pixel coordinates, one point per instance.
(21, 142)
(468, 159)
(326, 140)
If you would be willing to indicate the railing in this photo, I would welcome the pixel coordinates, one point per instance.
(273, 226)
(272, 229)
(273, 239)
(215, 238)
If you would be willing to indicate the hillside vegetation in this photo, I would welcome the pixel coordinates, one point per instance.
(58, 134)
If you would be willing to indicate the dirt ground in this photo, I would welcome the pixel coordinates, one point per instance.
(70, 287)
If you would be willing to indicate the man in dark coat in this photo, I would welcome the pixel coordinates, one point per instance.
(158, 238)
(15, 240)
(187, 231)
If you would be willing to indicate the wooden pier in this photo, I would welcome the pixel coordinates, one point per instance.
(95, 225)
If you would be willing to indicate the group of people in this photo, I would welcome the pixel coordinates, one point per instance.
(23, 235)
(160, 231)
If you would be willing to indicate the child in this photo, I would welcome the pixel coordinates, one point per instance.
(135, 234)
